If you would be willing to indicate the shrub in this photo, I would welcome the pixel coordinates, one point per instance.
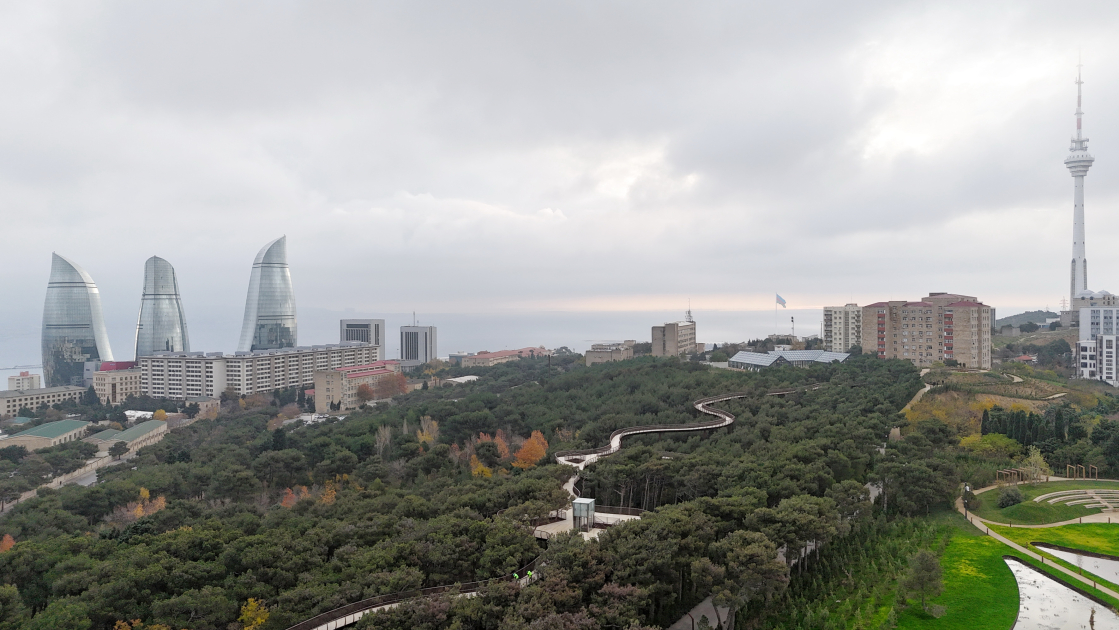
(1010, 496)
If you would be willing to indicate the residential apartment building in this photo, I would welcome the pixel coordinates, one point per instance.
(340, 385)
(114, 386)
(939, 327)
(1095, 352)
(11, 401)
(607, 352)
(674, 339)
(417, 345)
(842, 327)
(25, 381)
(485, 358)
(193, 374)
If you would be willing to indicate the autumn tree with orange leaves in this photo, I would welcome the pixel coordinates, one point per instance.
(534, 450)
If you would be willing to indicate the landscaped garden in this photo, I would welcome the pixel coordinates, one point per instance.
(1029, 512)
(1102, 538)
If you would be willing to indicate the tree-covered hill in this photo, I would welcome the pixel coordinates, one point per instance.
(438, 487)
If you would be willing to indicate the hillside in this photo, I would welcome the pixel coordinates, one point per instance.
(1037, 317)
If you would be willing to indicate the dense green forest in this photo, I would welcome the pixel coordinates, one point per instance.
(436, 488)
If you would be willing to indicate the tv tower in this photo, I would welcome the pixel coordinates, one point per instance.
(1078, 163)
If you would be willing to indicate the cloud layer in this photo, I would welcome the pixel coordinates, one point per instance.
(486, 157)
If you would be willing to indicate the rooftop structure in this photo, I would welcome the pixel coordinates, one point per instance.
(269, 322)
(73, 325)
(161, 326)
(800, 358)
(47, 435)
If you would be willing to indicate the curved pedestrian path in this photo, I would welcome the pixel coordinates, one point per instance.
(351, 613)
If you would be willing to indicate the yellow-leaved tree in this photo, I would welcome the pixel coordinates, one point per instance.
(534, 450)
(253, 614)
(159, 415)
(478, 469)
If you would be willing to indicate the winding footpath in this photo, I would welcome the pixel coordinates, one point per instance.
(351, 613)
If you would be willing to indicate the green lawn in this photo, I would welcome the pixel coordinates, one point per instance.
(1030, 513)
(976, 578)
(979, 589)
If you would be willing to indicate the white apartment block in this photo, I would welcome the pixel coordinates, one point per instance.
(181, 375)
(842, 327)
(1095, 352)
(418, 345)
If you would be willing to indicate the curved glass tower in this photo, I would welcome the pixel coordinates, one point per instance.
(270, 306)
(73, 326)
(161, 326)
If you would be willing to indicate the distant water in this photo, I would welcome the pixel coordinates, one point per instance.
(469, 332)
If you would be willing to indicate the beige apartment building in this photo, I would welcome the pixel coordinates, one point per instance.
(607, 352)
(115, 386)
(674, 339)
(340, 385)
(939, 327)
(25, 381)
(11, 401)
(842, 327)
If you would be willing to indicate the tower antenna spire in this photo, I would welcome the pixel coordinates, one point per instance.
(1078, 162)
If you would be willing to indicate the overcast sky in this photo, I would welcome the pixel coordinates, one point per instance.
(563, 156)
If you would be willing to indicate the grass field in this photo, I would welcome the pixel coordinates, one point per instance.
(976, 578)
(979, 589)
(1030, 513)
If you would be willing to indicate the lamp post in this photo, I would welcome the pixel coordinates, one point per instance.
(967, 489)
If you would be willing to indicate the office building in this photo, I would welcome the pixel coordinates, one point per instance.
(371, 331)
(607, 352)
(25, 381)
(339, 386)
(113, 387)
(12, 401)
(270, 322)
(195, 374)
(674, 339)
(939, 327)
(485, 358)
(48, 435)
(73, 326)
(162, 325)
(842, 327)
(418, 345)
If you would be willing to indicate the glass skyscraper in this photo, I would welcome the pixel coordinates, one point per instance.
(270, 306)
(161, 326)
(73, 326)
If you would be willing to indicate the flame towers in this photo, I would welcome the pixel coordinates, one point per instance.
(161, 326)
(1078, 163)
(270, 305)
(73, 326)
